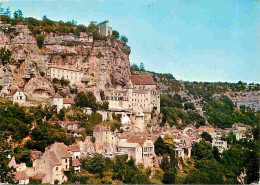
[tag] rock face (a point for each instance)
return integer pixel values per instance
(105, 64)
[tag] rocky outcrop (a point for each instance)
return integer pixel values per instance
(105, 64)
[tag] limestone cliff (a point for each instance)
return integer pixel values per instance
(105, 64)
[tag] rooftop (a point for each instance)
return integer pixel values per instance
(142, 80)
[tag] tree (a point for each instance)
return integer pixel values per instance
(40, 40)
(169, 177)
(188, 106)
(102, 95)
(34, 181)
(115, 34)
(165, 164)
(216, 153)
(141, 68)
(160, 148)
(7, 12)
(206, 136)
(124, 39)
(18, 14)
(119, 167)
(97, 164)
(168, 140)
(5, 56)
(61, 114)
(202, 150)
(86, 100)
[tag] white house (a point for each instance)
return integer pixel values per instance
(70, 74)
(57, 100)
(17, 96)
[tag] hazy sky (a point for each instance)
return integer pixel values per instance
(203, 40)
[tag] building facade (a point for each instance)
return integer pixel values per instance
(70, 74)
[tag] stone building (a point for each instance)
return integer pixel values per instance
(104, 29)
(70, 74)
(55, 160)
(138, 99)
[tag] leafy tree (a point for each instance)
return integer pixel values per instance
(18, 14)
(119, 167)
(206, 136)
(124, 39)
(115, 34)
(102, 95)
(97, 164)
(5, 150)
(61, 114)
(34, 181)
(169, 177)
(165, 164)
(7, 12)
(189, 106)
(168, 140)
(86, 100)
(5, 56)
(40, 40)
(202, 150)
(160, 148)
(141, 68)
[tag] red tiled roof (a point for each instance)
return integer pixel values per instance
(13, 92)
(207, 128)
(136, 139)
(76, 162)
(56, 96)
(35, 154)
(63, 150)
(142, 80)
(21, 176)
(54, 159)
(74, 148)
(68, 101)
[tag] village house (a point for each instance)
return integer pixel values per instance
(241, 131)
(66, 73)
(60, 102)
(75, 152)
(220, 144)
(17, 96)
(53, 162)
(198, 108)
(140, 146)
(209, 129)
(18, 167)
(67, 102)
(218, 141)
(104, 139)
(21, 177)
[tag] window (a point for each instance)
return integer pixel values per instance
(57, 168)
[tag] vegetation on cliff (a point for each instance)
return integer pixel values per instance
(40, 28)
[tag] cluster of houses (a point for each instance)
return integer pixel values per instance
(249, 99)
(49, 167)
(135, 102)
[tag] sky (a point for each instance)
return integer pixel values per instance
(195, 40)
